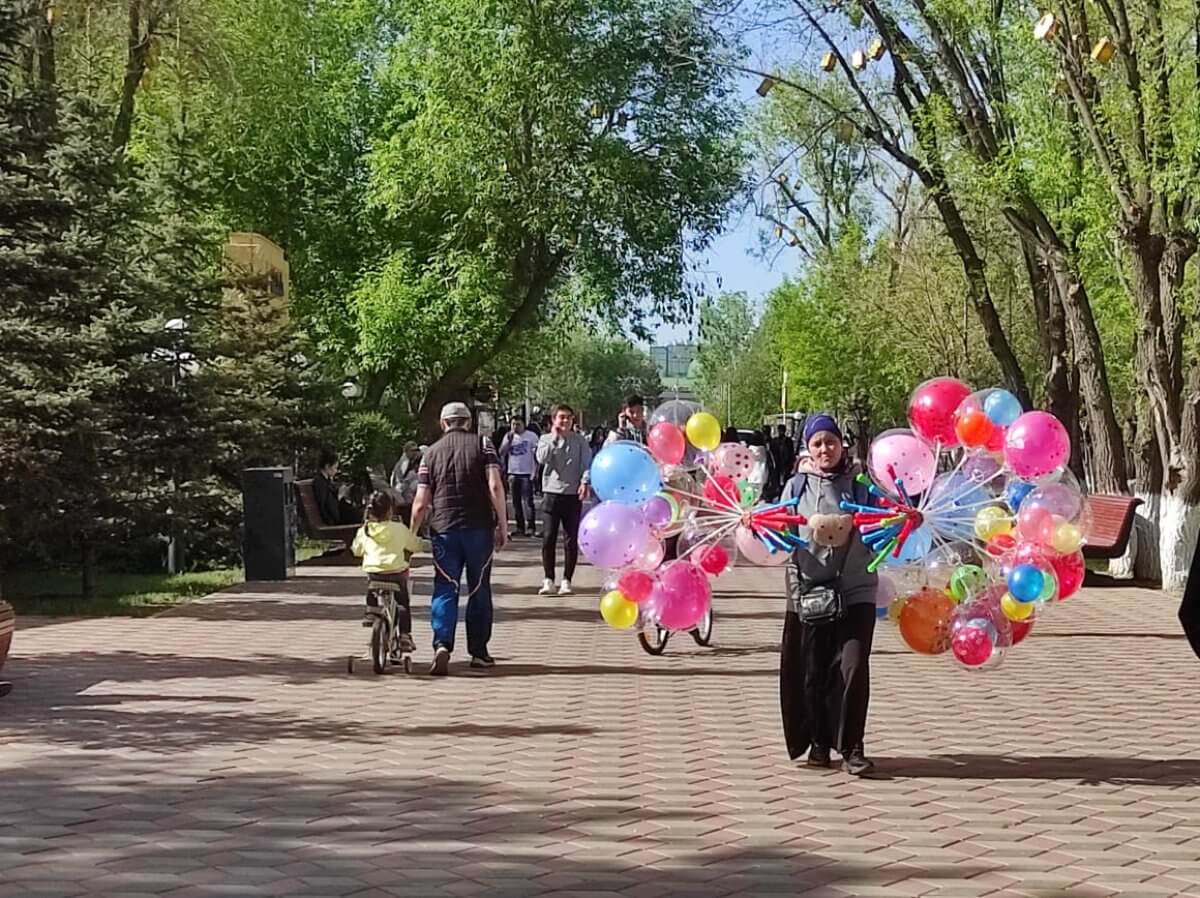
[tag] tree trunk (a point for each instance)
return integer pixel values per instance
(980, 295)
(1172, 403)
(1061, 394)
(1107, 459)
(137, 57)
(535, 268)
(87, 563)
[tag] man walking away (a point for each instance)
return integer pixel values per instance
(462, 494)
(517, 453)
(565, 457)
(1189, 608)
(631, 425)
(783, 457)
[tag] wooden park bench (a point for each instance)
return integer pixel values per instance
(315, 527)
(1112, 523)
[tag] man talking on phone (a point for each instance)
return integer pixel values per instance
(631, 424)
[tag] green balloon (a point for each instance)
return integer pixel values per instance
(967, 580)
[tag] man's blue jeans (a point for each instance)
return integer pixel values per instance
(454, 551)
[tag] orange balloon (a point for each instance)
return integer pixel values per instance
(974, 428)
(925, 621)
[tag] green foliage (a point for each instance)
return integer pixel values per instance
(566, 360)
(54, 593)
(505, 187)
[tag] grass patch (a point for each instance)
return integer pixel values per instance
(56, 593)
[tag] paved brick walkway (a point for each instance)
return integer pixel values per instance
(223, 750)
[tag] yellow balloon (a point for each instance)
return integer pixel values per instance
(704, 431)
(991, 522)
(618, 612)
(1067, 538)
(896, 607)
(1015, 610)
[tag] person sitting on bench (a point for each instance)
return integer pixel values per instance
(333, 503)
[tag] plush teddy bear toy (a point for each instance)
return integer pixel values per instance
(831, 529)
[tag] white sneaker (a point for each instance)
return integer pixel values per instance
(547, 588)
(565, 589)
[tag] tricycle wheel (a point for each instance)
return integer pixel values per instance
(655, 644)
(703, 632)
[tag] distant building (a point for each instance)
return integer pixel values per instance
(259, 277)
(675, 369)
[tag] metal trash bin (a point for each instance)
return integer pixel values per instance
(269, 515)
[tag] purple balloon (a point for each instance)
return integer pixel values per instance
(657, 512)
(613, 535)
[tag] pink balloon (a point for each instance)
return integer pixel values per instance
(755, 552)
(651, 556)
(1036, 524)
(907, 455)
(636, 585)
(1070, 571)
(973, 644)
(931, 409)
(667, 443)
(732, 459)
(681, 596)
(1036, 446)
(885, 591)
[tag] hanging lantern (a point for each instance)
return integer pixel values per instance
(800, 224)
(1046, 27)
(843, 130)
(782, 178)
(1104, 51)
(858, 60)
(53, 13)
(793, 240)
(828, 61)
(799, 185)
(765, 86)
(875, 49)
(596, 111)
(778, 232)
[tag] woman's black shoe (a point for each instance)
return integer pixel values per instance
(818, 757)
(857, 764)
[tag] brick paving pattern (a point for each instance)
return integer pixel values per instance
(222, 750)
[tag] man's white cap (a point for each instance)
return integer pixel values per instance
(455, 411)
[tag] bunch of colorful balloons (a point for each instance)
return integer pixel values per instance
(976, 520)
(686, 485)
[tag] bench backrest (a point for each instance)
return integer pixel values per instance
(1112, 520)
(308, 502)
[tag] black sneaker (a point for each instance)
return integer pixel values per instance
(857, 764)
(483, 661)
(818, 757)
(441, 662)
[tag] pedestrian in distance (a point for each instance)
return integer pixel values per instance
(565, 457)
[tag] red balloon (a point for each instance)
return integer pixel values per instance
(721, 490)
(932, 406)
(1020, 629)
(635, 585)
(1070, 571)
(973, 428)
(999, 546)
(667, 443)
(713, 559)
(995, 443)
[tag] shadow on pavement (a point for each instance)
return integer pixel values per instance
(1084, 769)
(406, 834)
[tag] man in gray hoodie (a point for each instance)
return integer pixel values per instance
(565, 457)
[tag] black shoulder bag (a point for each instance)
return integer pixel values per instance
(815, 604)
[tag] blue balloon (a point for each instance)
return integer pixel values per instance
(626, 473)
(1025, 582)
(1002, 407)
(916, 547)
(1016, 492)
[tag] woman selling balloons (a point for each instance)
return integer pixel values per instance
(824, 666)
(977, 554)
